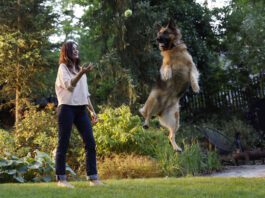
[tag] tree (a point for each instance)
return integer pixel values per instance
(133, 41)
(242, 30)
(25, 27)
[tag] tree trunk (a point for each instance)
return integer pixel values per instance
(17, 106)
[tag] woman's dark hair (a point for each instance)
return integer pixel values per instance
(66, 56)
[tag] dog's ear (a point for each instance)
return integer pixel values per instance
(171, 24)
(158, 27)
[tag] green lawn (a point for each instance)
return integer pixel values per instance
(143, 188)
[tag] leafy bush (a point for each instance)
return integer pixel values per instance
(6, 142)
(37, 130)
(121, 132)
(39, 168)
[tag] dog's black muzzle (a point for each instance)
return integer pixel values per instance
(163, 42)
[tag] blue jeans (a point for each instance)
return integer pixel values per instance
(77, 115)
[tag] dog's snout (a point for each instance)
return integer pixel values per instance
(159, 39)
(162, 39)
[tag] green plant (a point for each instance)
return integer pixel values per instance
(213, 161)
(168, 160)
(121, 132)
(39, 168)
(192, 159)
(37, 130)
(6, 142)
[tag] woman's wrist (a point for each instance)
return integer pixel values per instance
(93, 113)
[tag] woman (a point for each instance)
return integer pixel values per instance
(73, 99)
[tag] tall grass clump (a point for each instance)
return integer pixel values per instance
(192, 161)
(128, 166)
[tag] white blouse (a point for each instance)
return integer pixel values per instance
(66, 93)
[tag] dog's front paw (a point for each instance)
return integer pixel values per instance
(166, 72)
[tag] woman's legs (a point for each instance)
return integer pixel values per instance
(84, 127)
(65, 121)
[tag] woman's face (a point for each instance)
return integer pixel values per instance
(75, 52)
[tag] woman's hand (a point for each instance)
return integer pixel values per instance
(86, 68)
(94, 118)
(83, 70)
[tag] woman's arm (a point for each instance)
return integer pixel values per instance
(90, 107)
(82, 71)
(92, 111)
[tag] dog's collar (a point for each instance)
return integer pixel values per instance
(178, 43)
(174, 45)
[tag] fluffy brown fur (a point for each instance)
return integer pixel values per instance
(177, 73)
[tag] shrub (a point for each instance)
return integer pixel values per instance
(37, 130)
(6, 142)
(121, 132)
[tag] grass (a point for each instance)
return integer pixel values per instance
(143, 188)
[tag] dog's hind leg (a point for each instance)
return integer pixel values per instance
(174, 131)
(170, 120)
(147, 110)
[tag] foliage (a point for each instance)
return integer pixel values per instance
(242, 31)
(121, 132)
(192, 161)
(37, 130)
(18, 58)
(25, 28)
(128, 166)
(133, 41)
(39, 168)
(213, 161)
(168, 160)
(112, 83)
(6, 142)
(118, 135)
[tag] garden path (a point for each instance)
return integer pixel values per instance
(242, 171)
